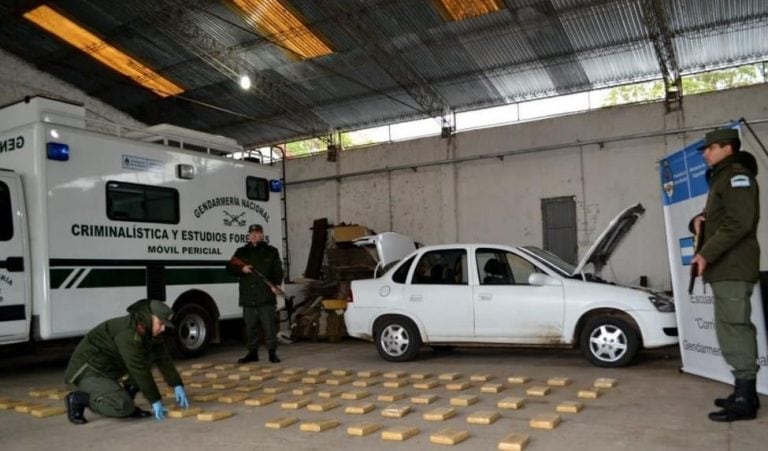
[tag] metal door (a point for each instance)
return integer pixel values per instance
(558, 216)
(15, 300)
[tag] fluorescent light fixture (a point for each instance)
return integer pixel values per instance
(282, 26)
(463, 9)
(245, 82)
(95, 47)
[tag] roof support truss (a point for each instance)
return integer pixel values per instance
(658, 29)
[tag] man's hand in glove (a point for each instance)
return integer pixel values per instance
(181, 396)
(159, 410)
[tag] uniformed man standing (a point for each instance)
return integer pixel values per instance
(729, 261)
(127, 345)
(253, 263)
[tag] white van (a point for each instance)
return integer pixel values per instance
(91, 221)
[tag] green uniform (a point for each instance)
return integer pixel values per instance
(733, 257)
(256, 298)
(114, 349)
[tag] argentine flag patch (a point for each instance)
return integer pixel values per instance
(739, 181)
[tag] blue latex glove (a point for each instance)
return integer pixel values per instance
(159, 410)
(181, 396)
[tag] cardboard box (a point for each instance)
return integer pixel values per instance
(345, 234)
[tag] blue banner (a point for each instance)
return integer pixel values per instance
(684, 174)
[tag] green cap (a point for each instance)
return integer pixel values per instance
(161, 310)
(719, 135)
(255, 228)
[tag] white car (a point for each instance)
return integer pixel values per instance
(480, 294)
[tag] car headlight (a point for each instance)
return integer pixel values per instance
(662, 303)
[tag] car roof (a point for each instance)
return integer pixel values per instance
(463, 245)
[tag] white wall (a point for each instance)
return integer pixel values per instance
(494, 200)
(19, 79)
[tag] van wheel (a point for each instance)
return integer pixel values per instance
(609, 342)
(397, 340)
(194, 329)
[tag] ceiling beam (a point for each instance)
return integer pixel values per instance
(655, 18)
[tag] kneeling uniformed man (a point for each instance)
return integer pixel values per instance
(128, 345)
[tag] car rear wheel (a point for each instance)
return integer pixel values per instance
(397, 340)
(609, 342)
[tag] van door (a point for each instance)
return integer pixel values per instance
(15, 293)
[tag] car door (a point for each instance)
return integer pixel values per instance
(507, 308)
(439, 295)
(14, 267)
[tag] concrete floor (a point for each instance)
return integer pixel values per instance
(654, 406)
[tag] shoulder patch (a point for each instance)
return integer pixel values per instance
(739, 181)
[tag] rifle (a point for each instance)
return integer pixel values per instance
(698, 241)
(237, 262)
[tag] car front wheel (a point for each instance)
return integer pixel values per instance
(397, 340)
(609, 342)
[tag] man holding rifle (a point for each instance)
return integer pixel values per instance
(260, 270)
(728, 259)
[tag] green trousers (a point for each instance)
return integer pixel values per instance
(108, 398)
(260, 316)
(736, 334)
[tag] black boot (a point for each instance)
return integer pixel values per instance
(132, 391)
(76, 403)
(140, 413)
(725, 402)
(273, 356)
(744, 404)
(252, 356)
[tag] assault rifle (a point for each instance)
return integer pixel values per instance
(239, 263)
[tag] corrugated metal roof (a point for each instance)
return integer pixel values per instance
(390, 57)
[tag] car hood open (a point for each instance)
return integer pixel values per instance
(604, 246)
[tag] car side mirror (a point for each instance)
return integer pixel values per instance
(540, 280)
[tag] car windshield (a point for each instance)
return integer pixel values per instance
(551, 260)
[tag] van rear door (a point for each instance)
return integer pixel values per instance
(15, 293)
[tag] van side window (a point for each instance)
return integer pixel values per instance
(142, 203)
(402, 272)
(6, 213)
(257, 188)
